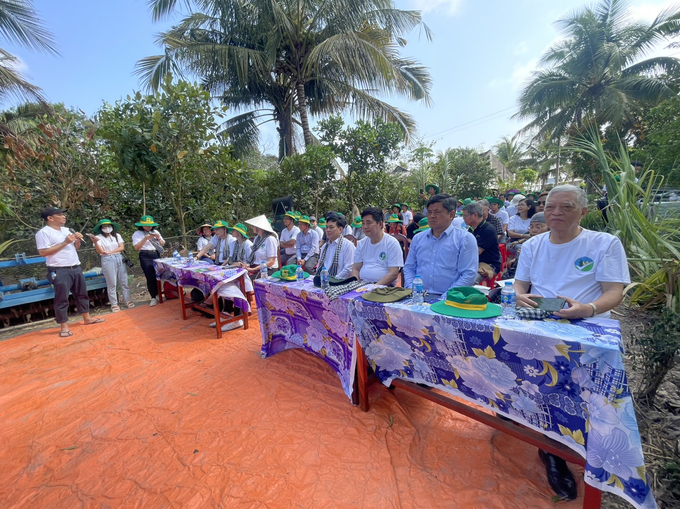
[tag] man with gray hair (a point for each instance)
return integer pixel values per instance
(443, 256)
(491, 219)
(586, 268)
(487, 242)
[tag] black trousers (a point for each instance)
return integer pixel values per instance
(65, 280)
(146, 259)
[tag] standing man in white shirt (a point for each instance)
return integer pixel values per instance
(59, 247)
(337, 254)
(287, 238)
(378, 257)
(406, 214)
(495, 209)
(586, 268)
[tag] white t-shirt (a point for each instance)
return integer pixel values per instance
(139, 235)
(378, 258)
(407, 217)
(66, 256)
(202, 242)
(347, 230)
(574, 269)
(519, 225)
(109, 243)
(502, 215)
(223, 254)
(511, 210)
(268, 249)
(287, 235)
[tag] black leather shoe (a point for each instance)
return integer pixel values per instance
(560, 478)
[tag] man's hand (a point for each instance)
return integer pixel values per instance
(575, 310)
(72, 238)
(525, 300)
(301, 263)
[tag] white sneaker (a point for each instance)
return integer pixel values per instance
(153, 302)
(231, 326)
(213, 325)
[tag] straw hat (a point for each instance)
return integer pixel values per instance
(199, 230)
(260, 222)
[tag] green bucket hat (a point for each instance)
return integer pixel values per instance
(404, 205)
(291, 214)
(321, 223)
(304, 219)
(287, 273)
(297, 214)
(387, 294)
(533, 195)
(467, 201)
(220, 224)
(241, 228)
(466, 302)
(497, 201)
(394, 218)
(422, 226)
(427, 188)
(396, 205)
(356, 223)
(98, 227)
(146, 221)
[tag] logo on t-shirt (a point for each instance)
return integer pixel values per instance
(383, 255)
(584, 264)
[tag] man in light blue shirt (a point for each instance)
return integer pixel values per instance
(307, 246)
(443, 256)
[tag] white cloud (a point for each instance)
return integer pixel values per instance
(646, 12)
(15, 64)
(450, 7)
(521, 48)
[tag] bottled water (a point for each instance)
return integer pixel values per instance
(417, 287)
(176, 256)
(264, 272)
(299, 274)
(325, 279)
(508, 300)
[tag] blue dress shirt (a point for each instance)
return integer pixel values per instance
(307, 244)
(445, 262)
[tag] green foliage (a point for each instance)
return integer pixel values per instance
(366, 149)
(309, 179)
(463, 172)
(168, 141)
(597, 74)
(660, 147)
(593, 221)
(55, 161)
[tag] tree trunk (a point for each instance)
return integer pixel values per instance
(285, 129)
(302, 108)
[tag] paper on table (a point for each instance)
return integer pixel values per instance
(502, 282)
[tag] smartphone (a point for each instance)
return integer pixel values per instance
(551, 305)
(422, 192)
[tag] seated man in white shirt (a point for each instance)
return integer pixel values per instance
(222, 242)
(588, 269)
(378, 256)
(337, 254)
(287, 239)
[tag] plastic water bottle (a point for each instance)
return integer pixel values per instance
(264, 272)
(418, 296)
(299, 274)
(176, 256)
(508, 300)
(325, 279)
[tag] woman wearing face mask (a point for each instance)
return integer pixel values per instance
(109, 244)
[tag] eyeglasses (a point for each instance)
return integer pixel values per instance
(541, 203)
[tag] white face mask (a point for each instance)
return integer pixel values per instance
(107, 229)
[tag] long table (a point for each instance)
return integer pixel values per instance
(563, 382)
(213, 281)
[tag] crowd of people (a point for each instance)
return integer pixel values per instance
(451, 243)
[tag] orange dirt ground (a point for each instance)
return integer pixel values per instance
(150, 411)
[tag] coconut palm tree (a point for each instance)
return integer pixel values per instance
(19, 23)
(598, 74)
(297, 57)
(510, 153)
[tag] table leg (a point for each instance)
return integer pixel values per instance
(159, 286)
(216, 308)
(592, 498)
(246, 314)
(180, 290)
(362, 376)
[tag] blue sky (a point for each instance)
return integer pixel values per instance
(481, 55)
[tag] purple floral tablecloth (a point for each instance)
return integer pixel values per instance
(565, 380)
(298, 315)
(206, 276)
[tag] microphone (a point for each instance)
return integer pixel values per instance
(73, 232)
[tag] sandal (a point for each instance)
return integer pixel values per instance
(115, 309)
(130, 304)
(96, 320)
(65, 334)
